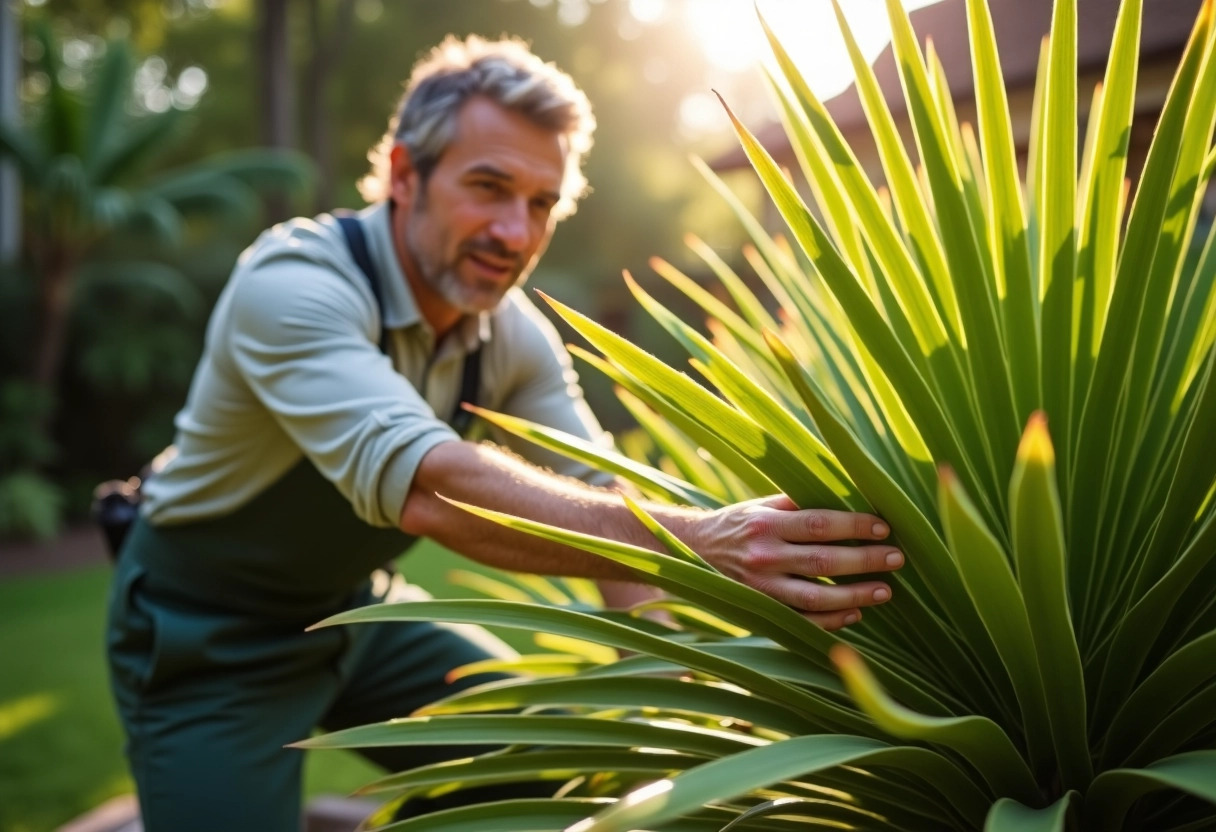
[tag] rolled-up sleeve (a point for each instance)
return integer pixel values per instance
(303, 337)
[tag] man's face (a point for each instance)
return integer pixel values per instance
(479, 223)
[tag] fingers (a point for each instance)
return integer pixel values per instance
(832, 602)
(832, 561)
(833, 620)
(822, 525)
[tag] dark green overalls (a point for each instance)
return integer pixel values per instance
(213, 672)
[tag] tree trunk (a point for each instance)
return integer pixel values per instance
(54, 304)
(326, 52)
(10, 111)
(277, 101)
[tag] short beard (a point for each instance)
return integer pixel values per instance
(447, 285)
(443, 278)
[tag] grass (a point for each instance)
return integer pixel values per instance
(60, 743)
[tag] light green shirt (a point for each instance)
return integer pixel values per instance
(292, 367)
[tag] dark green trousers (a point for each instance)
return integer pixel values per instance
(213, 673)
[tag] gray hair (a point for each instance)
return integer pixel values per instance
(504, 71)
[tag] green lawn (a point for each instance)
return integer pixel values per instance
(60, 745)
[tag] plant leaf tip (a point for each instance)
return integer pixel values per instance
(1036, 441)
(844, 657)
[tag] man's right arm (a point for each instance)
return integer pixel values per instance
(766, 544)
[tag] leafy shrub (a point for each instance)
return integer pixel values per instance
(1048, 661)
(111, 249)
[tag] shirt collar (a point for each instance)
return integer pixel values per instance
(400, 309)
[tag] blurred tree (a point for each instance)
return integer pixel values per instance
(89, 206)
(80, 158)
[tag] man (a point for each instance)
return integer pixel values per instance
(305, 451)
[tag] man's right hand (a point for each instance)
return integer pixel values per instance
(772, 546)
(768, 544)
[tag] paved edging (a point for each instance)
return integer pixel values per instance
(78, 547)
(325, 813)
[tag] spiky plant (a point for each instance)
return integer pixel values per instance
(1049, 659)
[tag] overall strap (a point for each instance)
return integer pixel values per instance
(470, 380)
(352, 230)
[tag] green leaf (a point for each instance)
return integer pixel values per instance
(986, 572)
(890, 354)
(141, 279)
(758, 654)
(604, 459)
(933, 567)
(986, 352)
(1174, 680)
(108, 97)
(135, 147)
(1097, 248)
(978, 740)
(816, 810)
(749, 306)
(822, 483)
(1098, 428)
(562, 764)
(1114, 791)
(737, 450)
(850, 201)
(675, 547)
(497, 729)
(532, 815)
(1140, 628)
(1177, 228)
(538, 664)
(913, 212)
(684, 454)
(668, 695)
(743, 434)
(742, 329)
(1038, 545)
(732, 600)
(1195, 717)
(1006, 219)
(586, 626)
(208, 193)
(62, 111)
(487, 585)
(794, 758)
(1057, 231)
(1191, 479)
(1008, 815)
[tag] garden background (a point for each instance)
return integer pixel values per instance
(141, 254)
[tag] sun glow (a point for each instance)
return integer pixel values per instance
(731, 38)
